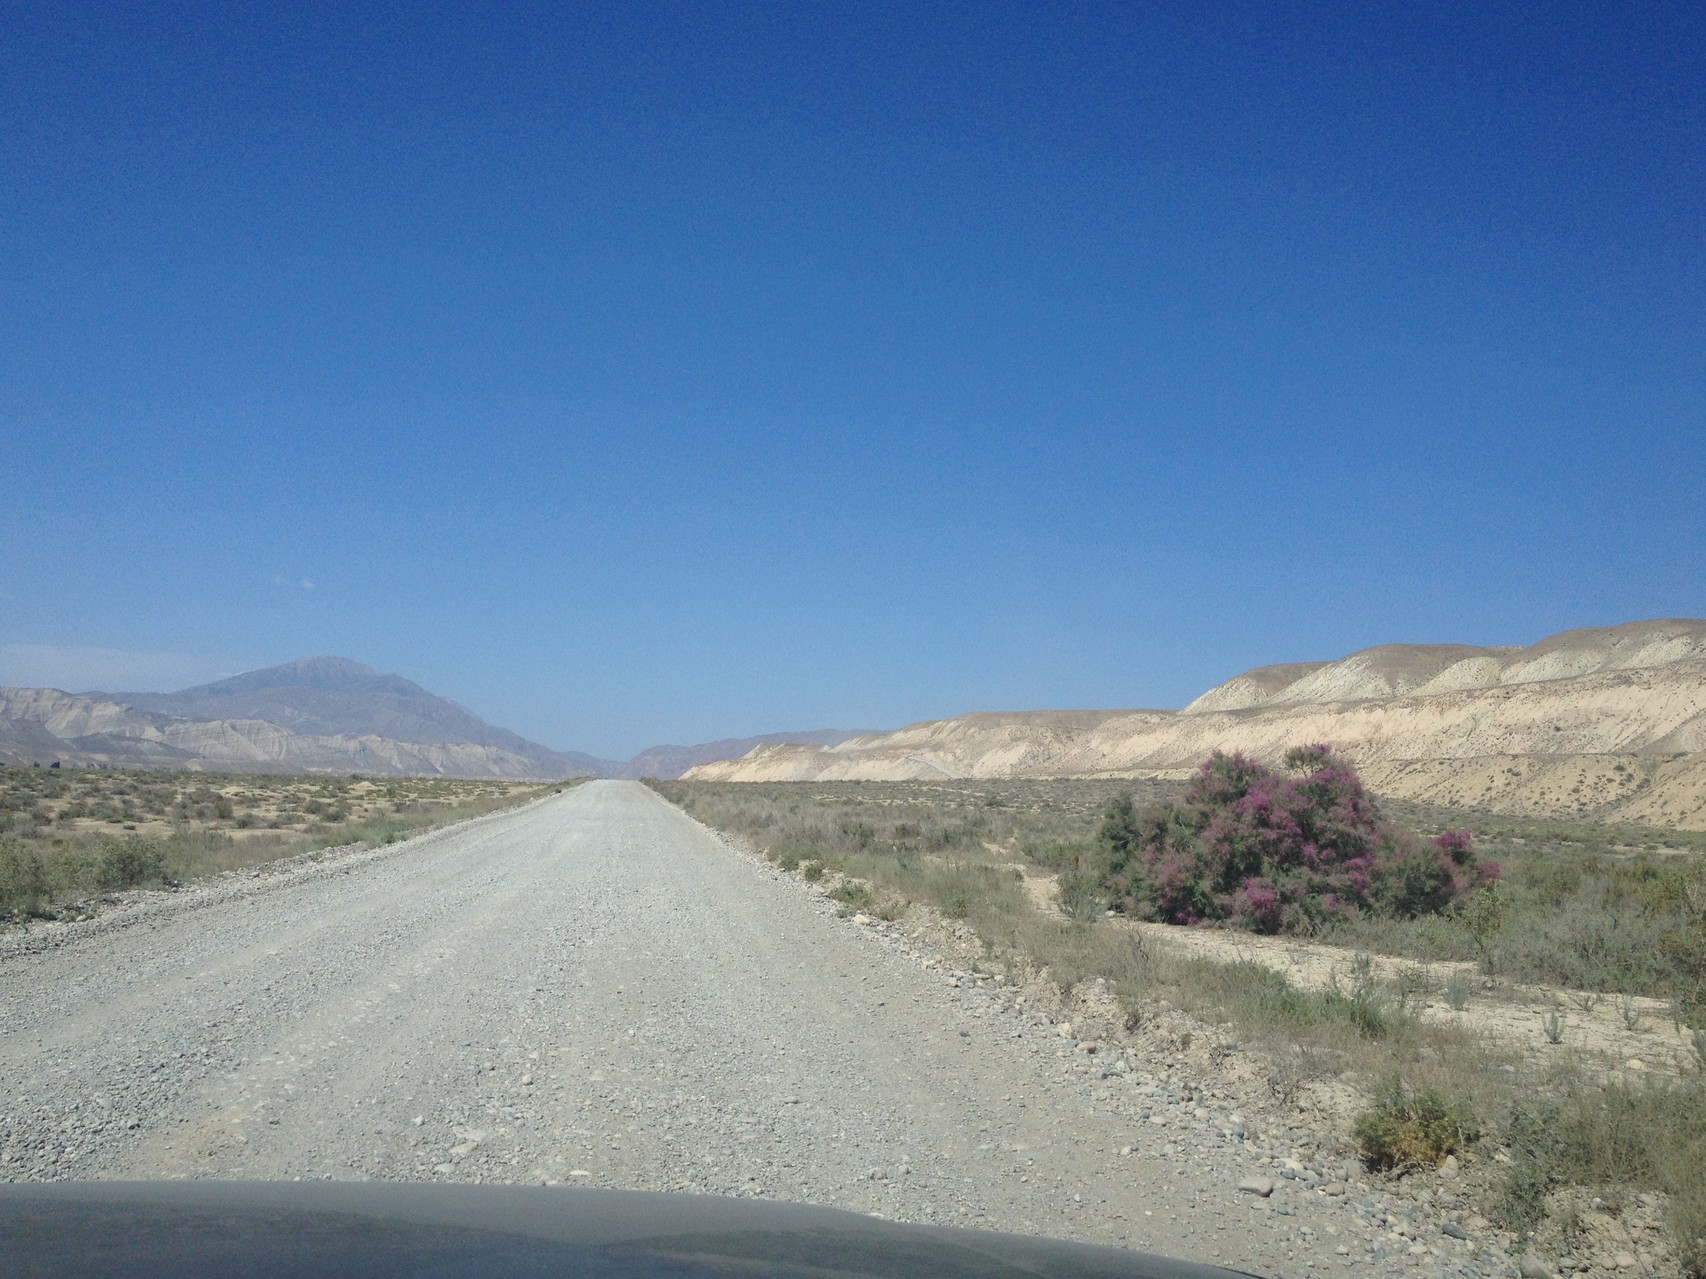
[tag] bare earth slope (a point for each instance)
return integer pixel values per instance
(320, 714)
(39, 724)
(670, 762)
(1609, 721)
(596, 990)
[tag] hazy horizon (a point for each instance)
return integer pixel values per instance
(642, 375)
(42, 662)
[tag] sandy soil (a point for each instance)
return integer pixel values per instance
(1604, 1029)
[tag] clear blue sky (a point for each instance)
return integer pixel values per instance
(657, 372)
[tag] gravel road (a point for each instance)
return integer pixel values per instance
(596, 990)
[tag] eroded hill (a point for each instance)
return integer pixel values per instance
(1607, 721)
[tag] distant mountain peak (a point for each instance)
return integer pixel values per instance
(328, 674)
(322, 665)
(335, 697)
(330, 713)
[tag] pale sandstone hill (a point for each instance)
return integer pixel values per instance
(1392, 670)
(670, 762)
(1605, 721)
(1252, 688)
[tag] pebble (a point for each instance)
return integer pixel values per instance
(1530, 1266)
(1256, 1186)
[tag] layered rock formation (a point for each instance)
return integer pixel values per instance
(1606, 721)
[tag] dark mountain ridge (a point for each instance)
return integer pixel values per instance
(333, 697)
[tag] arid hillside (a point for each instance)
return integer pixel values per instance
(1606, 721)
(44, 723)
(316, 715)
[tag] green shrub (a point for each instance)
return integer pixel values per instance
(1362, 1011)
(959, 889)
(811, 872)
(130, 862)
(1266, 1000)
(1081, 895)
(1457, 993)
(1483, 915)
(1413, 1128)
(1058, 854)
(853, 894)
(24, 886)
(1074, 952)
(1650, 1135)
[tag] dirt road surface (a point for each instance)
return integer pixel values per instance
(595, 990)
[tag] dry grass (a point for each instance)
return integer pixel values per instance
(1618, 909)
(67, 834)
(966, 847)
(1577, 1130)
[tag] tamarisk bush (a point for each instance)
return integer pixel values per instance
(1278, 850)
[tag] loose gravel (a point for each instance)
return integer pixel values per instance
(596, 990)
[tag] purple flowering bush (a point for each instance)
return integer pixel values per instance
(1278, 850)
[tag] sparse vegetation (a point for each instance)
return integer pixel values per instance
(1617, 909)
(1262, 1001)
(69, 834)
(1583, 1132)
(1456, 993)
(1578, 907)
(130, 863)
(1408, 1127)
(24, 885)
